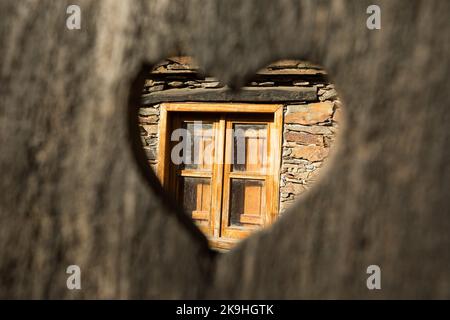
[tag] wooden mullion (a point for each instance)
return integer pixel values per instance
(226, 179)
(218, 176)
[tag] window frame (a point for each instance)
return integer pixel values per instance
(167, 110)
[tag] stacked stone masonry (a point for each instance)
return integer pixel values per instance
(309, 127)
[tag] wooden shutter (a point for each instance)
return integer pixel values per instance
(247, 182)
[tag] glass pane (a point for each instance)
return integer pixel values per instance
(197, 197)
(247, 201)
(249, 147)
(198, 148)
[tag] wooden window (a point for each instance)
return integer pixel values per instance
(228, 176)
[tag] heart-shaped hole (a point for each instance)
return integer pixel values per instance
(235, 161)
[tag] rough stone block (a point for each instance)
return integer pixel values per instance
(304, 138)
(311, 153)
(308, 114)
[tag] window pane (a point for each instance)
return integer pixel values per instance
(249, 147)
(199, 146)
(197, 197)
(247, 202)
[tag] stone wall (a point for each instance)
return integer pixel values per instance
(309, 127)
(309, 131)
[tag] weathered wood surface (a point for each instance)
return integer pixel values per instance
(247, 94)
(72, 191)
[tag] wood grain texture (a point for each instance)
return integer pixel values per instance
(248, 94)
(73, 189)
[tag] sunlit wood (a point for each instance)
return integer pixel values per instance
(215, 161)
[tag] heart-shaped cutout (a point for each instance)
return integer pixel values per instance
(236, 160)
